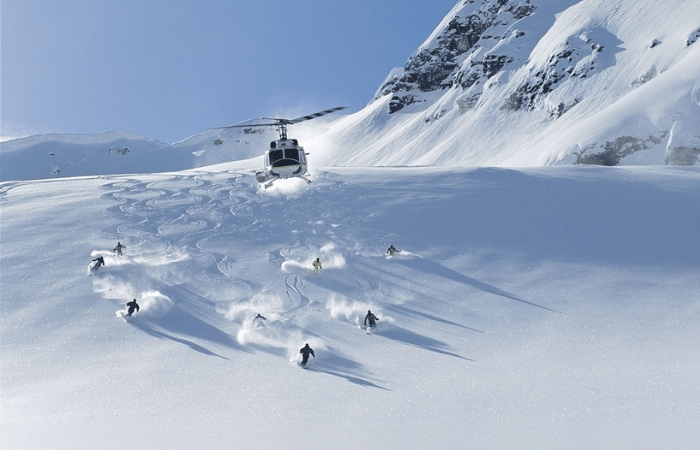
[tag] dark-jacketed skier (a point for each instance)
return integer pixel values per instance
(305, 352)
(259, 320)
(391, 250)
(100, 262)
(371, 319)
(132, 306)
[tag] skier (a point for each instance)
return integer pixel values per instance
(119, 248)
(305, 352)
(132, 306)
(258, 320)
(391, 250)
(100, 262)
(317, 265)
(371, 318)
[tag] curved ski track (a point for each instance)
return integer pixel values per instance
(186, 238)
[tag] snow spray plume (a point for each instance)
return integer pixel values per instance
(155, 304)
(111, 287)
(265, 302)
(330, 258)
(291, 188)
(340, 307)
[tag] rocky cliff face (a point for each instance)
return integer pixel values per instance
(446, 61)
(479, 41)
(549, 68)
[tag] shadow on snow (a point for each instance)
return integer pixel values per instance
(417, 340)
(433, 268)
(339, 366)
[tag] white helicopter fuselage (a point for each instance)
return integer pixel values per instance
(285, 159)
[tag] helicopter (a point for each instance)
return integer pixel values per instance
(285, 158)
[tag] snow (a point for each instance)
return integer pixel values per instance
(534, 305)
(530, 308)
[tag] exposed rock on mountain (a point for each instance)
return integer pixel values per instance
(441, 63)
(532, 82)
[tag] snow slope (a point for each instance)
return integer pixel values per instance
(544, 308)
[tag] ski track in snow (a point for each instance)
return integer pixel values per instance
(541, 290)
(178, 228)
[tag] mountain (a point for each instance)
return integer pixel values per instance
(71, 155)
(532, 83)
(498, 83)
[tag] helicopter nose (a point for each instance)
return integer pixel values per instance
(286, 162)
(287, 168)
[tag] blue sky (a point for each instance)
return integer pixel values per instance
(170, 69)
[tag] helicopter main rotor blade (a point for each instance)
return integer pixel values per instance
(318, 114)
(284, 122)
(246, 126)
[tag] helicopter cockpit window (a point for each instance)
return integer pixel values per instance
(276, 155)
(292, 153)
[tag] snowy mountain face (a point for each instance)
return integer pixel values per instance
(532, 82)
(445, 61)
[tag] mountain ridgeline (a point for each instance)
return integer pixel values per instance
(501, 83)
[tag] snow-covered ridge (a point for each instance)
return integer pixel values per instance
(79, 139)
(70, 155)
